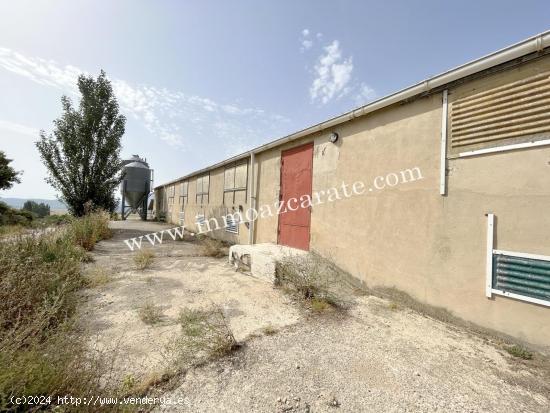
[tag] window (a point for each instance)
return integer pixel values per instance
(203, 186)
(511, 114)
(183, 195)
(517, 275)
(235, 183)
(171, 193)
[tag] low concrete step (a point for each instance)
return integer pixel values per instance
(259, 259)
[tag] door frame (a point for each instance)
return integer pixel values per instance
(294, 148)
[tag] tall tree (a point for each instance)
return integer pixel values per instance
(40, 209)
(8, 175)
(83, 153)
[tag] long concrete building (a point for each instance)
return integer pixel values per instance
(441, 190)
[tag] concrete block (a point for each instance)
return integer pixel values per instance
(260, 259)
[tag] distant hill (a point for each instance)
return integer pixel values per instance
(18, 202)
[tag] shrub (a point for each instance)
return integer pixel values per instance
(213, 247)
(96, 277)
(143, 259)
(519, 352)
(38, 278)
(313, 278)
(11, 216)
(89, 229)
(150, 313)
(40, 352)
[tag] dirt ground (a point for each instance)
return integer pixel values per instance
(377, 356)
(374, 359)
(178, 278)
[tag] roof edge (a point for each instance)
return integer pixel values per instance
(530, 45)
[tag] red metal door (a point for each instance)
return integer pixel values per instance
(296, 178)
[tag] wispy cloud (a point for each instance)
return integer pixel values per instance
(332, 74)
(364, 94)
(305, 40)
(18, 128)
(172, 116)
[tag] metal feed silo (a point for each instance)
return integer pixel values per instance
(135, 187)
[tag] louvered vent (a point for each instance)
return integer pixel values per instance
(523, 276)
(200, 220)
(232, 225)
(513, 113)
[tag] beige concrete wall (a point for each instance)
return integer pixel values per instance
(214, 209)
(410, 237)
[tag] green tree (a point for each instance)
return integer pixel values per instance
(40, 209)
(83, 153)
(8, 175)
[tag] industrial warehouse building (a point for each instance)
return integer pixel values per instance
(455, 208)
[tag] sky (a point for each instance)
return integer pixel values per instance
(200, 81)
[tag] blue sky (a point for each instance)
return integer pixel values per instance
(200, 81)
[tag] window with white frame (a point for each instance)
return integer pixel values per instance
(519, 275)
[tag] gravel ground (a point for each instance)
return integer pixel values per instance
(375, 358)
(178, 278)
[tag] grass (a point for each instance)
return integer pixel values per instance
(319, 305)
(11, 230)
(269, 330)
(519, 352)
(90, 229)
(205, 334)
(40, 279)
(143, 259)
(314, 279)
(96, 277)
(150, 313)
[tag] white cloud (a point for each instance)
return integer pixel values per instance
(18, 128)
(307, 44)
(332, 75)
(172, 116)
(306, 41)
(365, 94)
